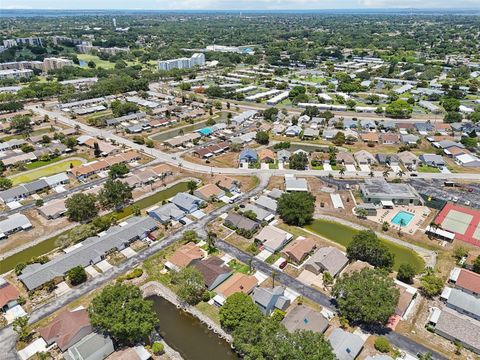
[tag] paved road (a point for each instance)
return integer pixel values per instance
(396, 339)
(176, 161)
(7, 336)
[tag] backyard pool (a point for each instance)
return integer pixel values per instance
(402, 218)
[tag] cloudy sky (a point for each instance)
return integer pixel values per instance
(234, 4)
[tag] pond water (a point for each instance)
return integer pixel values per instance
(82, 62)
(187, 335)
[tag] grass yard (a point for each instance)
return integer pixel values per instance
(238, 266)
(427, 169)
(48, 170)
(343, 235)
(99, 62)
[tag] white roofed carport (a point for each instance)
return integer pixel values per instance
(104, 265)
(337, 201)
(128, 252)
(92, 271)
(364, 167)
(387, 204)
(35, 347)
(350, 167)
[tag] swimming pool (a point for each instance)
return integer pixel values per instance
(402, 215)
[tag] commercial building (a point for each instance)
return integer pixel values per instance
(380, 191)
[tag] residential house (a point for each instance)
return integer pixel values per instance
(367, 124)
(226, 183)
(363, 157)
(302, 317)
(93, 250)
(455, 151)
(345, 158)
(132, 353)
(405, 300)
(409, 139)
(247, 156)
(166, 213)
(467, 160)
(293, 130)
(297, 250)
(423, 128)
(8, 295)
(209, 192)
(268, 299)
(370, 137)
(310, 133)
(67, 328)
(267, 202)
(408, 159)
(261, 213)
(466, 281)
(186, 202)
(238, 282)
(273, 238)
(213, 270)
(283, 156)
(389, 138)
(295, 184)
(14, 223)
(92, 347)
(237, 221)
(456, 327)
(184, 256)
(266, 155)
(387, 159)
(275, 194)
(462, 302)
(432, 160)
(327, 259)
(345, 345)
(53, 209)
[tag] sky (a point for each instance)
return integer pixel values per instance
(235, 4)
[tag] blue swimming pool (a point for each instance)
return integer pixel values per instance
(402, 215)
(205, 131)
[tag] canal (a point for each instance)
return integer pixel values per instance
(187, 335)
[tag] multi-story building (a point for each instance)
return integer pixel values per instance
(55, 63)
(15, 74)
(32, 41)
(197, 59)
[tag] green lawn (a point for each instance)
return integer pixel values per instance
(48, 170)
(427, 169)
(238, 266)
(343, 235)
(99, 62)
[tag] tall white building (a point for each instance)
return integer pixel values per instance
(197, 59)
(52, 63)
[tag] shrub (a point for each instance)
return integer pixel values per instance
(157, 348)
(382, 345)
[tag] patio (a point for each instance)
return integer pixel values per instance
(420, 214)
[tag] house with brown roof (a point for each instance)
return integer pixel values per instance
(455, 151)
(370, 137)
(407, 294)
(8, 295)
(298, 249)
(389, 138)
(213, 270)
(68, 328)
(238, 282)
(266, 155)
(209, 192)
(408, 159)
(356, 266)
(345, 158)
(327, 259)
(363, 157)
(184, 256)
(226, 183)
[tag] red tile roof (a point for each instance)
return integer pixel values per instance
(8, 293)
(469, 280)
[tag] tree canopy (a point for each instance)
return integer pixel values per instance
(238, 309)
(121, 311)
(114, 194)
(190, 285)
(296, 208)
(366, 246)
(368, 296)
(81, 207)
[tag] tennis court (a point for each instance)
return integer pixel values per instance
(462, 221)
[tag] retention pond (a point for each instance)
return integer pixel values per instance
(187, 335)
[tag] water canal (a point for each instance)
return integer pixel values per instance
(187, 335)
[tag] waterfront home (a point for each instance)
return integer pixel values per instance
(268, 299)
(327, 259)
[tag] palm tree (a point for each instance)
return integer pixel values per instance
(274, 275)
(386, 173)
(371, 174)
(342, 171)
(192, 186)
(211, 238)
(400, 224)
(250, 263)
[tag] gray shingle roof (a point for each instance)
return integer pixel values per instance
(91, 249)
(346, 346)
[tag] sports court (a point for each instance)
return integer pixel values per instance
(462, 221)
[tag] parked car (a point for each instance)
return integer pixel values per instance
(283, 264)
